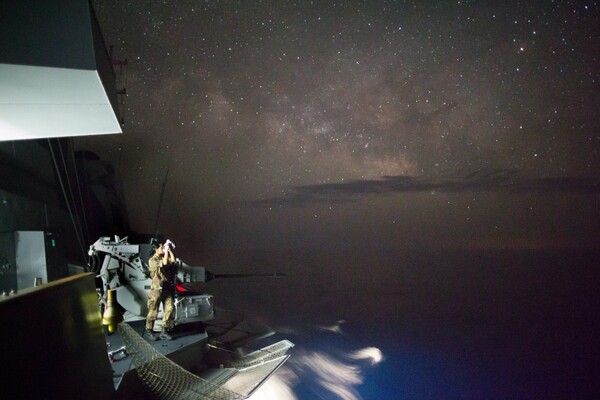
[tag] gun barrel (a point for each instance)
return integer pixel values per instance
(201, 274)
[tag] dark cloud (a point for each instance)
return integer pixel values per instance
(495, 181)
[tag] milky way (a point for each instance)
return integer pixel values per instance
(243, 101)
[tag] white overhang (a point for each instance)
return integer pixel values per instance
(39, 102)
(56, 76)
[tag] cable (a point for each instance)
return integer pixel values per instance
(66, 199)
(86, 236)
(68, 179)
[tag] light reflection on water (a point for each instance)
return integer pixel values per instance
(462, 324)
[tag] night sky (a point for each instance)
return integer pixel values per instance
(330, 139)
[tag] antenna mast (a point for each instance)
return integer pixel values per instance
(162, 194)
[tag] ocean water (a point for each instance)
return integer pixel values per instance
(418, 325)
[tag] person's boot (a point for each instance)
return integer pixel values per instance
(150, 335)
(164, 335)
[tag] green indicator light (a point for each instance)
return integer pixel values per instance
(53, 243)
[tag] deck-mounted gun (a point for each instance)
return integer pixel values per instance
(122, 266)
